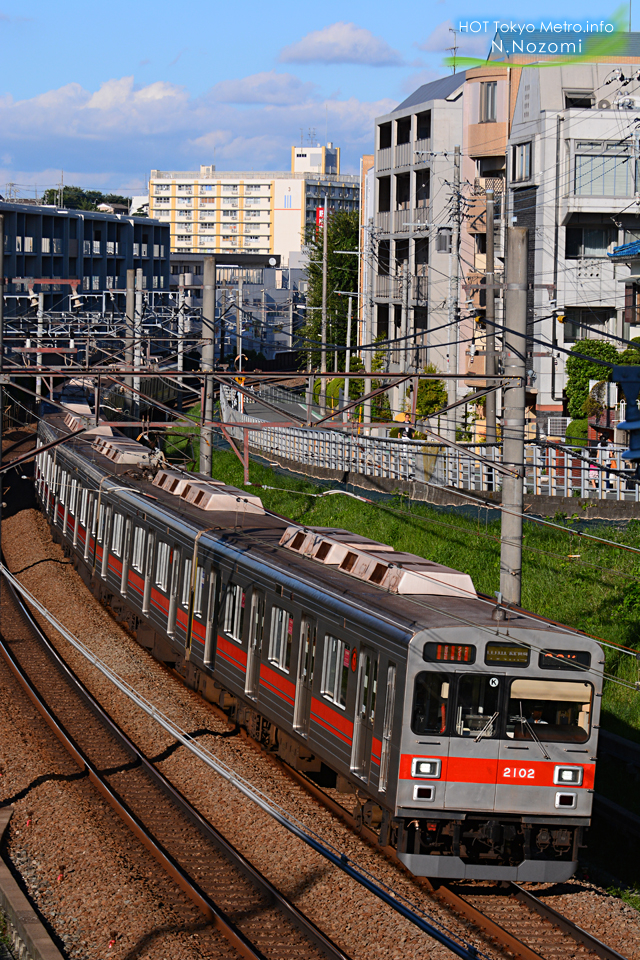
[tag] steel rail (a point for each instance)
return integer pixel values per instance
(445, 893)
(190, 887)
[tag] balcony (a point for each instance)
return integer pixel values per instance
(402, 220)
(384, 159)
(388, 287)
(403, 154)
(383, 221)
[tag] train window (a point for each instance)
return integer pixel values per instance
(252, 680)
(430, 703)
(281, 638)
(72, 497)
(478, 704)
(101, 519)
(564, 660)
(137, 557)
(387, 727)
(186, 583)
(212, 612)
(116, 534)
(197, 600)
(162, 565)
(234, 611)
(449, 653)
(63, 487)
(335, 670)
(549, 710)
(83, 506)
(514, 654)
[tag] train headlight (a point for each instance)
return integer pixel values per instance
(572, 775)
(426, 767)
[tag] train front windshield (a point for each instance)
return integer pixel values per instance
(479, 705)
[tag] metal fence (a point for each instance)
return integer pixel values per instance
(549, 471)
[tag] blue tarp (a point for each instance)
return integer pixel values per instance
(626, 250)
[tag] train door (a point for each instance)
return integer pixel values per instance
(366, 693)
(304, 682)
(254, 654)
(473, 745)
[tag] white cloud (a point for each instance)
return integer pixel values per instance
(341, 43)
(114, 135)
(268, 87)
(469, 45)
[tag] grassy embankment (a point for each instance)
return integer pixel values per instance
(597, 591)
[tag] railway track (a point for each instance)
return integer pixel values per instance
(508, 914)
(245, 914)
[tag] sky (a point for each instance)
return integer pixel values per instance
(107, 92)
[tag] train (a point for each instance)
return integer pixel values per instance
(466, 734)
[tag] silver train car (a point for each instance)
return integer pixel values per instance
(468, 743)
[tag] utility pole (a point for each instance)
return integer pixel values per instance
(454, 284)
(130, 300)
(1, 363)
(368, 324)
(323, 332)
(208, 346)
(515, 351)
(239, 315)
(180, 333)
(404, 322)
(137, 343)
(39, 341)
(490, 347)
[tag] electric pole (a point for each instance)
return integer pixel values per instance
(490, 339)
(368, 324)
(515, 351)
(208, 347)
(180, 334)
(39, 342)
(130, 300)
(454, 284)
(323, 333)
(1, 363)
(137, 343)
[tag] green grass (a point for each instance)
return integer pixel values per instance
(596, 599)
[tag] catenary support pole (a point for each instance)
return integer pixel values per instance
(130, 308)
(368, 318)
(515, 345)
(137, 343)
(454, 286)
(1, 361)
(490, 399)
(40, 334)
(208, 347)
(323, 329)
(180, 335)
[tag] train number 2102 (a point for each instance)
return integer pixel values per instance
(519, 773)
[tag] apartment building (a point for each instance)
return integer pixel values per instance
(559, 149)
(410, 245)
(97, 249)
(211, 211)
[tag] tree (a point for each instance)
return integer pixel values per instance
(75, 198)
(432, 395)
(580, 371)
(342, 274)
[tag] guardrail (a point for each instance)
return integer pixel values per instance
(550, 472)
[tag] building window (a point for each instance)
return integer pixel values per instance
(578, 101)
(281, 638)
(521, 168)
(589, 241)
(604, 176)
(335, 670)
(46, 245)
(183, 238)
(384, 136)
(585, 324)
(95, 283)
(488, 93)
(56, 244)
(28, 244)
(162, 188)
(423, 125)
(443, 240)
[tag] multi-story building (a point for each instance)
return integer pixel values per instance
(559, 149)
(410, 226)
(96, 249)
(250, 212)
